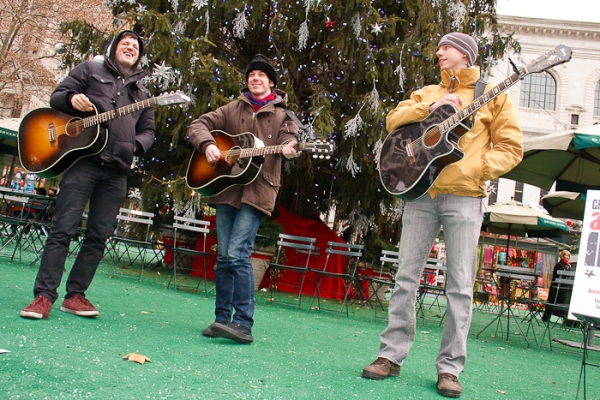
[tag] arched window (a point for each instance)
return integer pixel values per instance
(538, 91)
(597, 100)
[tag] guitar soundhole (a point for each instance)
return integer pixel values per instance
(233, 155)
(432, 137)
(74, 127)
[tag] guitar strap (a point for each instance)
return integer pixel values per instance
(479, 89)
(295, 119)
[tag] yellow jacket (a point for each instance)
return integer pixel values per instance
(491, 148)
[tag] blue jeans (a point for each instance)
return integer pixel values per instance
(105, 188)
(234, 279)
(461, 218)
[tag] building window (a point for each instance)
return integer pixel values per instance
(518, 192)
(538, 91)
(597, 100)
(574, 119)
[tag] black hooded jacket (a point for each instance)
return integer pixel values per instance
(103, 84)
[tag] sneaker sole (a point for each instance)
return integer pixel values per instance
(208, 333)
(32, 315)
(449, 393)
(87, 314)
(377, 377)
(226, 332)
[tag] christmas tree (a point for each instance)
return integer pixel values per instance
(344, 64)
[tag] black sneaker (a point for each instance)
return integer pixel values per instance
(234, 331)
(208, 331)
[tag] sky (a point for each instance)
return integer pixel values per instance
(567, 10)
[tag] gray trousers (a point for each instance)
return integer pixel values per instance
(461, 218)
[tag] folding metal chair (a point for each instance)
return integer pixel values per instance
(188, 233)
(36, 225)
(79, 237)
(564, 282)
(294, 256)
(384, 279)
(334, 271)
(430, 288)
(13, 220)
(132, 241)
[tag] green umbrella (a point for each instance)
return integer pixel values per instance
(9, 128)
(569, 158)
(565, 204)
(514, 218)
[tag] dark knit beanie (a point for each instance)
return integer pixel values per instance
(463, 43)
(261, 63)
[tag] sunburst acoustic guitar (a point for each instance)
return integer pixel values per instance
(50, 141)
(238, 165)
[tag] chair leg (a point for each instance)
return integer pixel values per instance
(316, 295)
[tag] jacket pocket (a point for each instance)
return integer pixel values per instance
(99, 87)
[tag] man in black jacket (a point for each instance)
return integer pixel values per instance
(100, 179)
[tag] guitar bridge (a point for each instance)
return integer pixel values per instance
(410, 155)
(51, 134)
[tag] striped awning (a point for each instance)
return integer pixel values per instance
(9, 127)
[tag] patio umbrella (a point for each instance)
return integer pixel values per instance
(565, 204)
(569, 158)
(514, 218)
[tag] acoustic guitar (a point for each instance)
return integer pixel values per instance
(50, 141)
(240, 163)
(414, 155)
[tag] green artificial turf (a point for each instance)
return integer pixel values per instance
(297, 354)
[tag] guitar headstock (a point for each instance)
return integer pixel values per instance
(558, 55)
(172, 98)
(319, 149)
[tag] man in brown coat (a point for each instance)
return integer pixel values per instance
(260, 110)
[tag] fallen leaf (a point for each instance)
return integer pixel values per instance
(138, 358)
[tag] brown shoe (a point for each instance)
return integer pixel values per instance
(38, 309)
(448, 385)
(79, 305)
(380, 369)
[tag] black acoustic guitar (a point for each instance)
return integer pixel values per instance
(50, 141)
(414, 155)
(240, 162)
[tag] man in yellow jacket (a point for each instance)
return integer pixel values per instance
(491, 148)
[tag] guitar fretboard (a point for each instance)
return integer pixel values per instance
(119, 112)
(261, 151)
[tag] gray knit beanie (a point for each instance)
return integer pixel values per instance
(261, 63)
(463, 43)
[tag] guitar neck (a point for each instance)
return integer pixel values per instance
(261, 151)
(119, 112)
(479, 102)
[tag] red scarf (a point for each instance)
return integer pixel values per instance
(258, 103)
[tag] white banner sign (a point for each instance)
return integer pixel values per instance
(586, 289)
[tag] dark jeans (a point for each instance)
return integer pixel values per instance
(105, 188)
(234, 279)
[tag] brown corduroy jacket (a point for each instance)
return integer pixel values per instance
(270, 124)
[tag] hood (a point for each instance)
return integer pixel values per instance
(117, 39)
